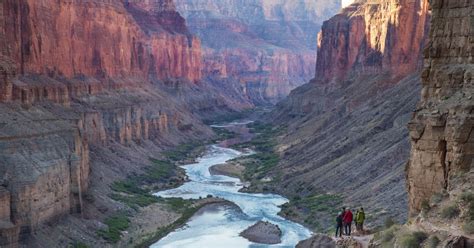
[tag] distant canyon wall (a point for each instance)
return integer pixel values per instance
(263, 48)
(373, 37)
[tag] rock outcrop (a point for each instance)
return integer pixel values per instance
(263, 232)
(80, 80)
(317, 241)
(346, 130)
(260, 49)
(441, 128)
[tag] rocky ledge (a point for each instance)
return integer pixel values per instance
(318, 240)
(263, 232)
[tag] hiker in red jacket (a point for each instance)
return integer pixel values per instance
(348, 217)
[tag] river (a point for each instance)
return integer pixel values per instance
(219, 227)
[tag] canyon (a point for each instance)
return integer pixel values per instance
(95, 92)
(350, 122)
(260, 49)
(89, 91)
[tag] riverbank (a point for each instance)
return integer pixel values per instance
(156, 221)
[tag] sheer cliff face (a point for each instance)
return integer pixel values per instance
(264, 48)
(380, 36)
(78, 38)
(81, 74)
(349, 123)
(442, 153)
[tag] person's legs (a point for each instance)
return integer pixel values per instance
(345, 228)
(349, 227)
(339, 228)
(362, 226)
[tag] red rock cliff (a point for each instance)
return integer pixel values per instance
(99, 38)
(373, 36)
(68, 52)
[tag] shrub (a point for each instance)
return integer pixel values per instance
(388, 234)
(468, 227)
(412, 240)
(450, 212)
(436, 198)
(115, 225)
(468, 198)
(389, 222)
(432, 242)
(425, 206)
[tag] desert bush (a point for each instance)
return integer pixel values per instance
(389, 222)
(450, 212)
(468, 227)
(432, 242)
(437, 198)
(425, 206)
(115, 225)
(411, 240)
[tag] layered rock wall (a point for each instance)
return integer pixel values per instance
(263, 48)
(75, 74)
(346, 129)
(372, 37)
(441, 128)
(103, 39)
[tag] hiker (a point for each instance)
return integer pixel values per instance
(359, 220)
(339, 223)
(347, 219)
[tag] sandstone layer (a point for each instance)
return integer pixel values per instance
(441, 127)
(346, 129)
(260, 49)
(440, 170)
(89, 91)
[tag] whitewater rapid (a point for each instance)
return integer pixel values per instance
(220, 227)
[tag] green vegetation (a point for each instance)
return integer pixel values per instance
(115, 225)
(468, 199)
(131, 191)
(425, 206)
(386, 237)
(181, 152)
(432, 242)
(179, 205)
(412, 239)
(468, 227)
(134, 191)
(223, 134)
(389, 222)
(404, 238)
(313, 207)
(450, 212)
(185, 207)
(257, 166)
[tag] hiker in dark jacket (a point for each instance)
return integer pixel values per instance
(347, 219)
(339, 224)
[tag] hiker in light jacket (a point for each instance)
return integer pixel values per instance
(359, 219)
